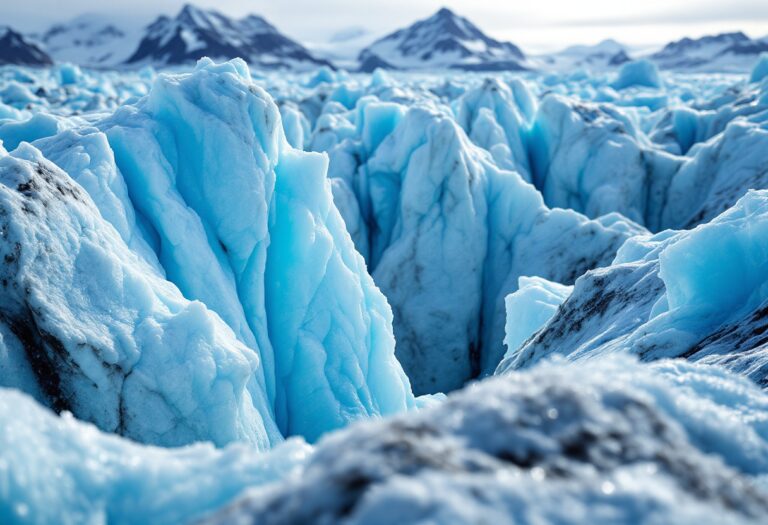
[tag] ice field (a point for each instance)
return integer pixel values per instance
(231, 296)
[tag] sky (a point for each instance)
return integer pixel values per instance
(534, 25)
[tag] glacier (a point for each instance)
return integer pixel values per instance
(232, 295)
(169, 206)
(698, 294)
(613, 441)
(608, 442)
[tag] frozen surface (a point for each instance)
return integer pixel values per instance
(198, 190)
(103, 335)
(607, 441)
(446, 245)
(760, 70)
(529, 308)
(227, 254)
(61, 470)
(638, 73)
(699, 295)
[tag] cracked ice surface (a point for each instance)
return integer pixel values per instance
(176, 268)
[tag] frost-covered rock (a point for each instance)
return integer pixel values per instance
(601, 442)
(15, 49)
(195, 33)
(444, 40)
(609, 441)
(700, 295)
(725, 52)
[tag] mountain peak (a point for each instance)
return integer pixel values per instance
(720, 52)
(444, 40)
(197, 32)
(15, 49)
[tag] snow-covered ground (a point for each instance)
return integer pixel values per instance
(239, 296)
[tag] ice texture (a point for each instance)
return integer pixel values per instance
(230, 255)
(760, 70)
(698, 294)
(100, 333)
(642, 73)
(198, 184)
(605, 441)
(530, 307)
(446, 245)
(61, 470)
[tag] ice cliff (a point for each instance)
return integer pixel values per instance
(698, 294)
(213, 241)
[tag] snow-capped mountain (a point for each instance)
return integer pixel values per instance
(15, 49)
(195, 33)
(444, 40)
(723, 52)
(90, 40)
(603, 55)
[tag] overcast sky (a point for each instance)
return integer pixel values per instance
(535, 25)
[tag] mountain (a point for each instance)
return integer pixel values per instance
(15, 49)
(444, 40)
(603, 55)
(195, 33)
(723, 52)
(90, 40)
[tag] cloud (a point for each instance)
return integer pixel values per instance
(701, 12)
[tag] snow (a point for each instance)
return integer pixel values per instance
(603, 56)
(611, 441)
(61, 470)
(92, 40)
(195, 33)
(726, 52)
(443, 41)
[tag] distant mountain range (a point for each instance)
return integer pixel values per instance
(15, 49)
(195, 33)
(445, 40)
(89, 40)
(604, 55)
(724, 52)
(442, 41)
